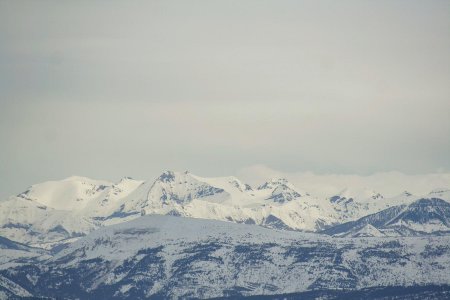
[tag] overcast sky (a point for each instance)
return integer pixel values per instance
(107, 89)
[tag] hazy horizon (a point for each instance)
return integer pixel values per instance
(112, 89)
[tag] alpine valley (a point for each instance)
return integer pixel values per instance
(185, 236)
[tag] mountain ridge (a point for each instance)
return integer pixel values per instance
(172, 257)
(56, 211)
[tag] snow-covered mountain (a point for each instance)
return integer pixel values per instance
(81, 194)
(31, 222)
(282, 190)
(48, 213)
(84, 238)
(422, 217)
(171, 257)
(54, 211)
(58, 212)
(356, 203)
(228, 199)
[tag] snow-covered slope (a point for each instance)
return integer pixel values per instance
(14, 254)
(92, 197)
(365, 231)
(282, 191)
(353, 204)
(50, 212)
(72, 193)
(56, 212)
(228, 199)
(30, 222)
(422, 217)
(171, 257)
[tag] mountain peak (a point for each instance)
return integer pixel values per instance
(128, 183)
(368, 231)
(81, 179)
(430, 202)
(283, 193)
(359, 194)
(181, 188)
(273, 183)
(167, 176)
(125, 180)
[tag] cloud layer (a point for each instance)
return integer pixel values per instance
(108, 89)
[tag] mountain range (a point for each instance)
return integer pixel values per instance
(185, 236)
(167, 257)
(56, 212)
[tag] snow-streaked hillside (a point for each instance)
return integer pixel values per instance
(173, 257)
(13, 254)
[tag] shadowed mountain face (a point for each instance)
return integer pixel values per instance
(174, 257)
(425, 211)
(422, 217)
(8, 244)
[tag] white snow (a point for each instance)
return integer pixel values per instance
(54, 211)
(122, 242)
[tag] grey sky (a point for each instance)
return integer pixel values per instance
(126, 88)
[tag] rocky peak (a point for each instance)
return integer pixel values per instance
(273, 183)
(167, 176)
